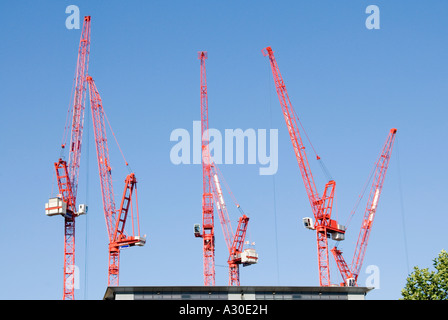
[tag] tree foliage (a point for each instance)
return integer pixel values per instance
(423, 284)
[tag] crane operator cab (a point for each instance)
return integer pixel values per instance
(308, 223)
(336, 230)
(350, 282)
(197, 230)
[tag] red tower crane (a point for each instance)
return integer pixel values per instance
(212, 194)
(321, 205)
(350, 275)
(115, 219)
(67, 173)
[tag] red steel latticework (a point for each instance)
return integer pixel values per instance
(115, 224)
(233, 241)
(321, 206)
(79, 104)
(67, 173)
(208, 227)
(372, 203)
(67, 176)
(102, 151)
(74, 156)
(212, 194)
(236, 250)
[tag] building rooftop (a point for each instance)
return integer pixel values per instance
(235, 293)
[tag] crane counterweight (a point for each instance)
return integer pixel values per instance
(56, 206)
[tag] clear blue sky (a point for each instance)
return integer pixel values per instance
(349, 86)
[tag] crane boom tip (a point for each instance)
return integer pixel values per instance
(266, 51)
(202, 55)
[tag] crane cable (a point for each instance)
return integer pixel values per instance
(67, 121)
(319, 159)
(360, 197)
(116, 141)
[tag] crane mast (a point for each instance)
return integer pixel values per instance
(67, 173)
(350, 275)
(115, 225)
(321, 206)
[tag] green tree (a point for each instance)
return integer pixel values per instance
(423, 284)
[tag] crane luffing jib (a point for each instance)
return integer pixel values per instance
(102, 150)
(79, 104)
(321, 206)
(233, 241)
(381, 166)
(377, 186)
(293, 129)
(221, 208)
(115, 220)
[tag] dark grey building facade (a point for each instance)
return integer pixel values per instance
(235, 293)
